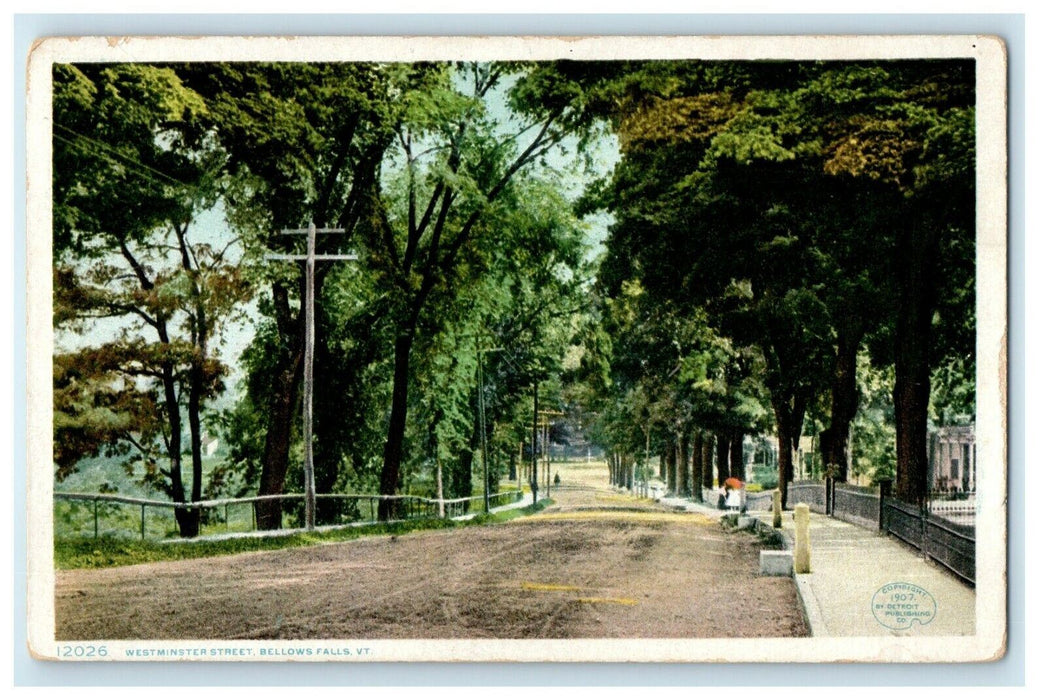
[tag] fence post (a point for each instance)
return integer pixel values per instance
(226, 517)
(143, 521)
(96, 518)
(884, 493)
(924, 508)
(829, 495)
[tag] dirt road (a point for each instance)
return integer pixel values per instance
(597, 564)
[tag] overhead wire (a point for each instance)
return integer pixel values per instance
(111, 151)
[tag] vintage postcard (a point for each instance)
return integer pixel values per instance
(517, 349)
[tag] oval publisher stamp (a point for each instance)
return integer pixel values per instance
(899, 605)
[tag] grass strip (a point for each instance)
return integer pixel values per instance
(105, 552)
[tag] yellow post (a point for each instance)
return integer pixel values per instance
(777, 508)
(802, 538)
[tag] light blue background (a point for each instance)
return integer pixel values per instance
(1009, 671)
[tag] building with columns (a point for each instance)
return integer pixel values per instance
(953, 459)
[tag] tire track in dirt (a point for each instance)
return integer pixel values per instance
(459, 574)
(684, 573)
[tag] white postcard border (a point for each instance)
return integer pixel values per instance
(988, 643)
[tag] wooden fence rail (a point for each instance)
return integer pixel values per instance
(407, 507)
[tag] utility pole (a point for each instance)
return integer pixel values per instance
(548, 459)
(310, 259)
(546, 435)
(483, 423)
(534, 449)
(483, 434)
(646, 466)
(544, 454)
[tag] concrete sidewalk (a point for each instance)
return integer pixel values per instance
(849, 566)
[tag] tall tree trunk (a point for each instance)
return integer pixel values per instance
(835, 439)
(329, 427)
(390, 468)
(682, 465)
(707, 446)
(696, 474)
(670, 466)
(722, 454)
(461, 474)
(188, 524)
(196, 445)
(911, 394)
(199, 333)
(439, 488)
(281, 409)
(789, 416)
(784, 462)
(737, 454)
(277, 441)
(662, 467)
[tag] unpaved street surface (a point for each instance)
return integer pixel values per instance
(595, 565)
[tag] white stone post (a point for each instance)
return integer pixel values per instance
(802, 538)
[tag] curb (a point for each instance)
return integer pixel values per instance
(811, 610)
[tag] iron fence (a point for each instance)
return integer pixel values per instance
(943, 530)
(903, 520)
(856, 505)
(951, 544)
(759, 500)
(958, 507)
(948, 543)
(812, 493)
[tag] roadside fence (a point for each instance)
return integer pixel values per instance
(942, 528)
(122, 516)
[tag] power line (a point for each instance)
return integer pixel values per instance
(113, 152)
(86, 148)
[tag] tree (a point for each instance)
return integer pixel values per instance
(914, 129)
(759, 170)
(457, 169)
(132, 167)
(440, 260)
(303, 143)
